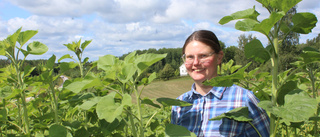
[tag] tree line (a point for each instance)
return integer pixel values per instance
(290, 49)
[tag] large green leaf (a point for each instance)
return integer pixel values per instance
(228, 80)
(152, 77)
(246, 24)
(149, 102)
(283, 5)
(172, 130)
(108, 109)
(27, 70)
(172, 102)
(85, 44)
(145, 60)
(221, 81)
(51, 61)
(310, 56)
(25, 36)
(254, 49)
(130, 58)
(266, 25)
(67, 56)
(126, 100)
(128, 70)
(65, 66)
(284, 90)
(46, 76)
(90, 103)
(304, 22)
(105, 62)
(3, 47)
(245, 14)
(12, 39)
(240, 114)
(265, 3)
(286, 5)
(37, 48)
(74, 46)
(10, 42)
(299, 102)
(266, 105)
(58, 131)
(83, 84)
(298, 107)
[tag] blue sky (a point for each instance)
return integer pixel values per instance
(121, 26)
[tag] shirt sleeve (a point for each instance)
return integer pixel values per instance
(260, 118)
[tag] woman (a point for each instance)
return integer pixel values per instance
(202, 54)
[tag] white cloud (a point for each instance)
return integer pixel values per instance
(121, 26)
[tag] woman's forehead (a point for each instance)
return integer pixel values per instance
(197, 47)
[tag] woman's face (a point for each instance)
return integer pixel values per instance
(204, 65)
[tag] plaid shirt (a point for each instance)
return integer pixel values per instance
(217, 101)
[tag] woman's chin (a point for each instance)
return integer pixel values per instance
(199, 79)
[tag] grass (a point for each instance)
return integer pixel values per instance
(170, 88)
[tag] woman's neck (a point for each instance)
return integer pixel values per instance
(202, 89)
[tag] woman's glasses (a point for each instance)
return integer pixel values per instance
(202, 58)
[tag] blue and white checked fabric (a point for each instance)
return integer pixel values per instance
(217, 101)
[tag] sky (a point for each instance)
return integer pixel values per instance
(118, 27)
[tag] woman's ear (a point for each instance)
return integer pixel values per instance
(220, 57)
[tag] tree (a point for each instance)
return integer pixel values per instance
(240, 58)
(288, 46)
(167, 72)
(229, 53)
(222, 45)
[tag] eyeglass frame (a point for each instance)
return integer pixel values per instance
(201, 59)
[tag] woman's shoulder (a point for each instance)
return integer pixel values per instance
(185, 95)
(236, 90)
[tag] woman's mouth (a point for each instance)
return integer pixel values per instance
(198, 70)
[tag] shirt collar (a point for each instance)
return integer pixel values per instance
(216, 91)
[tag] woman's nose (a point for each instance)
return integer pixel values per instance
(196, 61)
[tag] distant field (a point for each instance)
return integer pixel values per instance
(171, 88)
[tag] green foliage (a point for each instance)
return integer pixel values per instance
(92, 104)
(173, 58)
(295, 101)
(102, 98)
(175, 130)
(273, 27)
(229, 53)
(240, 114)
(167, 72)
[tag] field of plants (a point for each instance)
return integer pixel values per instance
(114, 102)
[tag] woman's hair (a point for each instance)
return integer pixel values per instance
(206, 37)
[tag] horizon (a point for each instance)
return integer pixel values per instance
(118, 27)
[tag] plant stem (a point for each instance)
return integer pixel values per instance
(149, 121)
(255, 129)
(25, 112)
(23, 98)
(133, 129)
(80, 65)
(81, 68)
(5, 122)
(274, 60)
(56, 117)
(19, 112)
(139, 111)
(16, 126)
(312, 79)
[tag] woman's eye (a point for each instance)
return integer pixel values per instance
(190, 57)
(203, 56)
